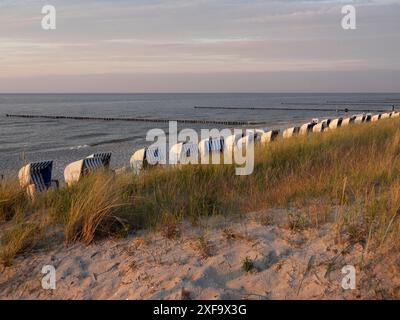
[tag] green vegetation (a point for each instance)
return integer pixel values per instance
(352, 172)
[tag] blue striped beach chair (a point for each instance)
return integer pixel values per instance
(78, 169)
(105, 158)
(215, 145)
(149, 156)
(211, 145)
(36, 176)
(184, 153)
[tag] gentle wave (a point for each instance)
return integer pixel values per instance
(79, 147)
(95, 144)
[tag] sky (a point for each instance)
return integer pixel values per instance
(199, 46)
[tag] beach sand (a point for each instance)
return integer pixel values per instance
(205, 261)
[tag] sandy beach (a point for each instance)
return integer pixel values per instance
(206, 262)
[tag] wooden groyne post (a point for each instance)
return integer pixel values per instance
(192, 121)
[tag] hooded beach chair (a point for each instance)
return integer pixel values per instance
(211, 146)
(395, 114)
(375, 117)
(385, 115)
(322, 126)
(246, 141)
(335, 123)
(269, 136)
(231, 141)
(104, 157)
(78, 169)
(36, 177)
(184, 153)
(290, 132)
(149, 156)
(258, 133)
(348, 121)
(359, 118)
(308, 127)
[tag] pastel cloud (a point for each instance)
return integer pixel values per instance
(196, 37)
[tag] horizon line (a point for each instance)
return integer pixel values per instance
(203, 92)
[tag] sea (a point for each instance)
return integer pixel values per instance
(25, 140)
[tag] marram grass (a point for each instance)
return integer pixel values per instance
(353, 171)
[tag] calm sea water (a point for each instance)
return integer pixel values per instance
(68, 140)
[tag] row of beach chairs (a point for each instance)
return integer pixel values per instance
(37, 177)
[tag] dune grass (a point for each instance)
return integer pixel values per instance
(352, 173)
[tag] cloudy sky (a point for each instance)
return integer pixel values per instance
(199, 46)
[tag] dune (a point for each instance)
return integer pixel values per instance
(207, 261)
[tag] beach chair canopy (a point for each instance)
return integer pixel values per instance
(288, 133)
(245, 141)
(78, 169)
(359, 118)
(212, 145)
(258, 133)
(375, 117)
(38, 174)
(154, 155)
(307, 127)
(269, 136)
(104, 157)
(184, 153)
(190, 149)
(147, 156)
(348, 121)
(385, 115)
(321, 126)
(231, 141)
(335, 123)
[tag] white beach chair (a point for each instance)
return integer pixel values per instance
(211, 145)
(348, 121)
(258, 133)
(375, 117)
(359, 118)
(76, 170)
(184, 153)
(308, 127)
(245, 142)
(232, 140)
(322, 126)
(368, 117)
(385, 115)
(290, 132)
(335, 123)
(37, 177)
(149, 156)
(395, 114)
(269, 136)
